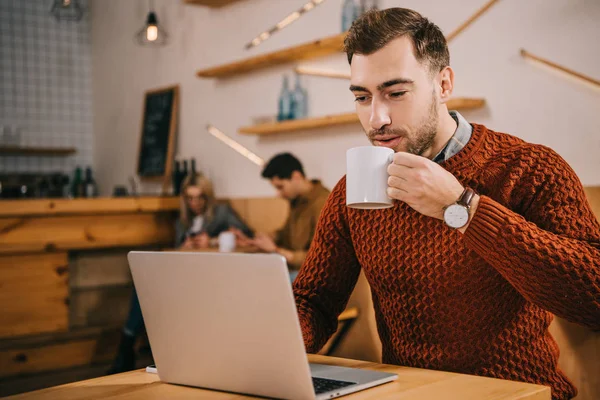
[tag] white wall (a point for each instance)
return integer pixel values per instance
(524, 99)
(45, 86)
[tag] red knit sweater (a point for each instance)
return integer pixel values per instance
(478, 303)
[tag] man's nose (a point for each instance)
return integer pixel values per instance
(380, 115)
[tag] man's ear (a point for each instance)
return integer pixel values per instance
(296, 175)
(446, 82)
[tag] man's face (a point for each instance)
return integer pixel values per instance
(396, 98)
(285, 188)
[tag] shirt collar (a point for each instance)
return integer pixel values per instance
(458, 141)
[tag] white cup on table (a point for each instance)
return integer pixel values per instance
(226, 242)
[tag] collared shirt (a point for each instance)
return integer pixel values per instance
(299, 229)
(461, 137)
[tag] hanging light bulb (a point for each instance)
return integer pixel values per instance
(152, 34)
(67, 10)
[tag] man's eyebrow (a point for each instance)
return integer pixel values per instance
(380, 87)
(354, 88)
(395, 82)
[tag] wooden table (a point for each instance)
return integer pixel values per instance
(412, 383)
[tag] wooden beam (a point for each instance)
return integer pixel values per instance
(568, 71)
(470, 20)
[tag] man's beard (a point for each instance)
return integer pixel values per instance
(422, 139)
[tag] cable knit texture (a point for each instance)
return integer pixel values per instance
(478, 303)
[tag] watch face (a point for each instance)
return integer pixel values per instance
(456, 216)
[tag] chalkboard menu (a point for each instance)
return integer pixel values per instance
(159, 121)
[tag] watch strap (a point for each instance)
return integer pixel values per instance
(466, 197)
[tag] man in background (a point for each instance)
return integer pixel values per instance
(306, 197)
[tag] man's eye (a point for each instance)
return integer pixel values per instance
(360, 99)
(397, 94)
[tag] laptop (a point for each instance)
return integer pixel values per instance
(228, 322)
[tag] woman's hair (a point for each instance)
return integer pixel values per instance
(208, 194)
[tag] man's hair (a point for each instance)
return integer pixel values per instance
(375, 29)
(282, 166)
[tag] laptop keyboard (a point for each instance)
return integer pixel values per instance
(322, 385)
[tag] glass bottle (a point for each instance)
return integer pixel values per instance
(285, 101)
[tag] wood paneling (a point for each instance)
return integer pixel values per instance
(33, 294)
(105, 306)
(339, 119)
(116, 205)
(98, 268)
(318, 48)
(262, 214)
(58, 351)
(14, 362)
(362, 341)
(593, 196)
(84, 232)
(579, 357)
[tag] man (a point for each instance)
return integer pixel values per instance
(474, 296)
(306, 198)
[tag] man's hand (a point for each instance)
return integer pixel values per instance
(241, 240)
(201, 241)
(188, 244)
(422, 184)
(264, 242)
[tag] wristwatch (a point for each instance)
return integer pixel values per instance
(457, 215)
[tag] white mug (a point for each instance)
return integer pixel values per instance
(226, 242)
(367, 177)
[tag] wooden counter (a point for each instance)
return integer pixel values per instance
(37, 241)
(98, 206)
(412, 383)
(53, 225)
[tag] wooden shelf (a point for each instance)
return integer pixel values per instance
(321, 47)
(211, 3)
(339, 119)
(300, 124)
(36, 151)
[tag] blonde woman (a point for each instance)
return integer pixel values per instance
(200, 222)
(201, 218)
